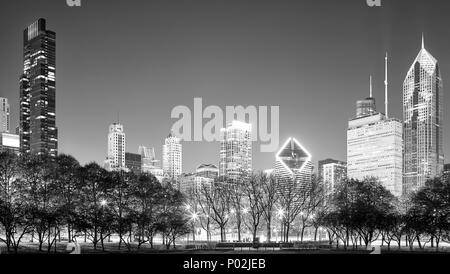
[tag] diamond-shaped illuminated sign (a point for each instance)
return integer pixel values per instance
(293, 156)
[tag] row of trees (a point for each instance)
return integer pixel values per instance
(355, 213)
(256, 205)
(41, 197)
(361, 212)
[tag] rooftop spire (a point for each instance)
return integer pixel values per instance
(371, 87)
(386, 103)
(423, 41)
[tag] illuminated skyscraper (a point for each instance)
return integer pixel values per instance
(374, 149)
(293, 166)
(116, 147)
(4, 116)
(37, 129)
(332, 172)
(423, 121)
(236, 152)
(172, 158)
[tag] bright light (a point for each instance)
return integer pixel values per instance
(245, 210)
(103, 202)
(280, 212)
(194, 216)
(308, 158)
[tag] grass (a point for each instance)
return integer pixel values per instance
(113, 248)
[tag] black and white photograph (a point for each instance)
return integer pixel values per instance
(224, 135)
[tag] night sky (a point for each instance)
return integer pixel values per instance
(141, 58)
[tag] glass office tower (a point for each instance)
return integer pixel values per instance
(37, 129)
(423, 122)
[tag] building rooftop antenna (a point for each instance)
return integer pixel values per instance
(386, 86)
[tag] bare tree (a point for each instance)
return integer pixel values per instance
(315, 197)
(254, 194)
(218, 199)
(204, 209)
(269, 198)
(292, 199)
(236, 196)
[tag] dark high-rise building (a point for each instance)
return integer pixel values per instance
(133, 162)
(37, 129)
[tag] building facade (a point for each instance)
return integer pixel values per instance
(37, 128)
(191, 183)
(236, 152)
(332, 172)
(172, 158)
(207, 171)
(149, 164)
(9, 143)
(423, 122)
(133, 162)
(374, 150)
(116, 147)
(293, 166)
(4, 115)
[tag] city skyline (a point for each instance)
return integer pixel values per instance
(331, 107)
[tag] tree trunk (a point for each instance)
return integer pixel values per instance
(302, 233)
(269, 231)
(255, 231)
(418, 241)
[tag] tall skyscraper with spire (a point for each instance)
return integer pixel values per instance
(37, 128)
(423, 121)
(374, 147)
